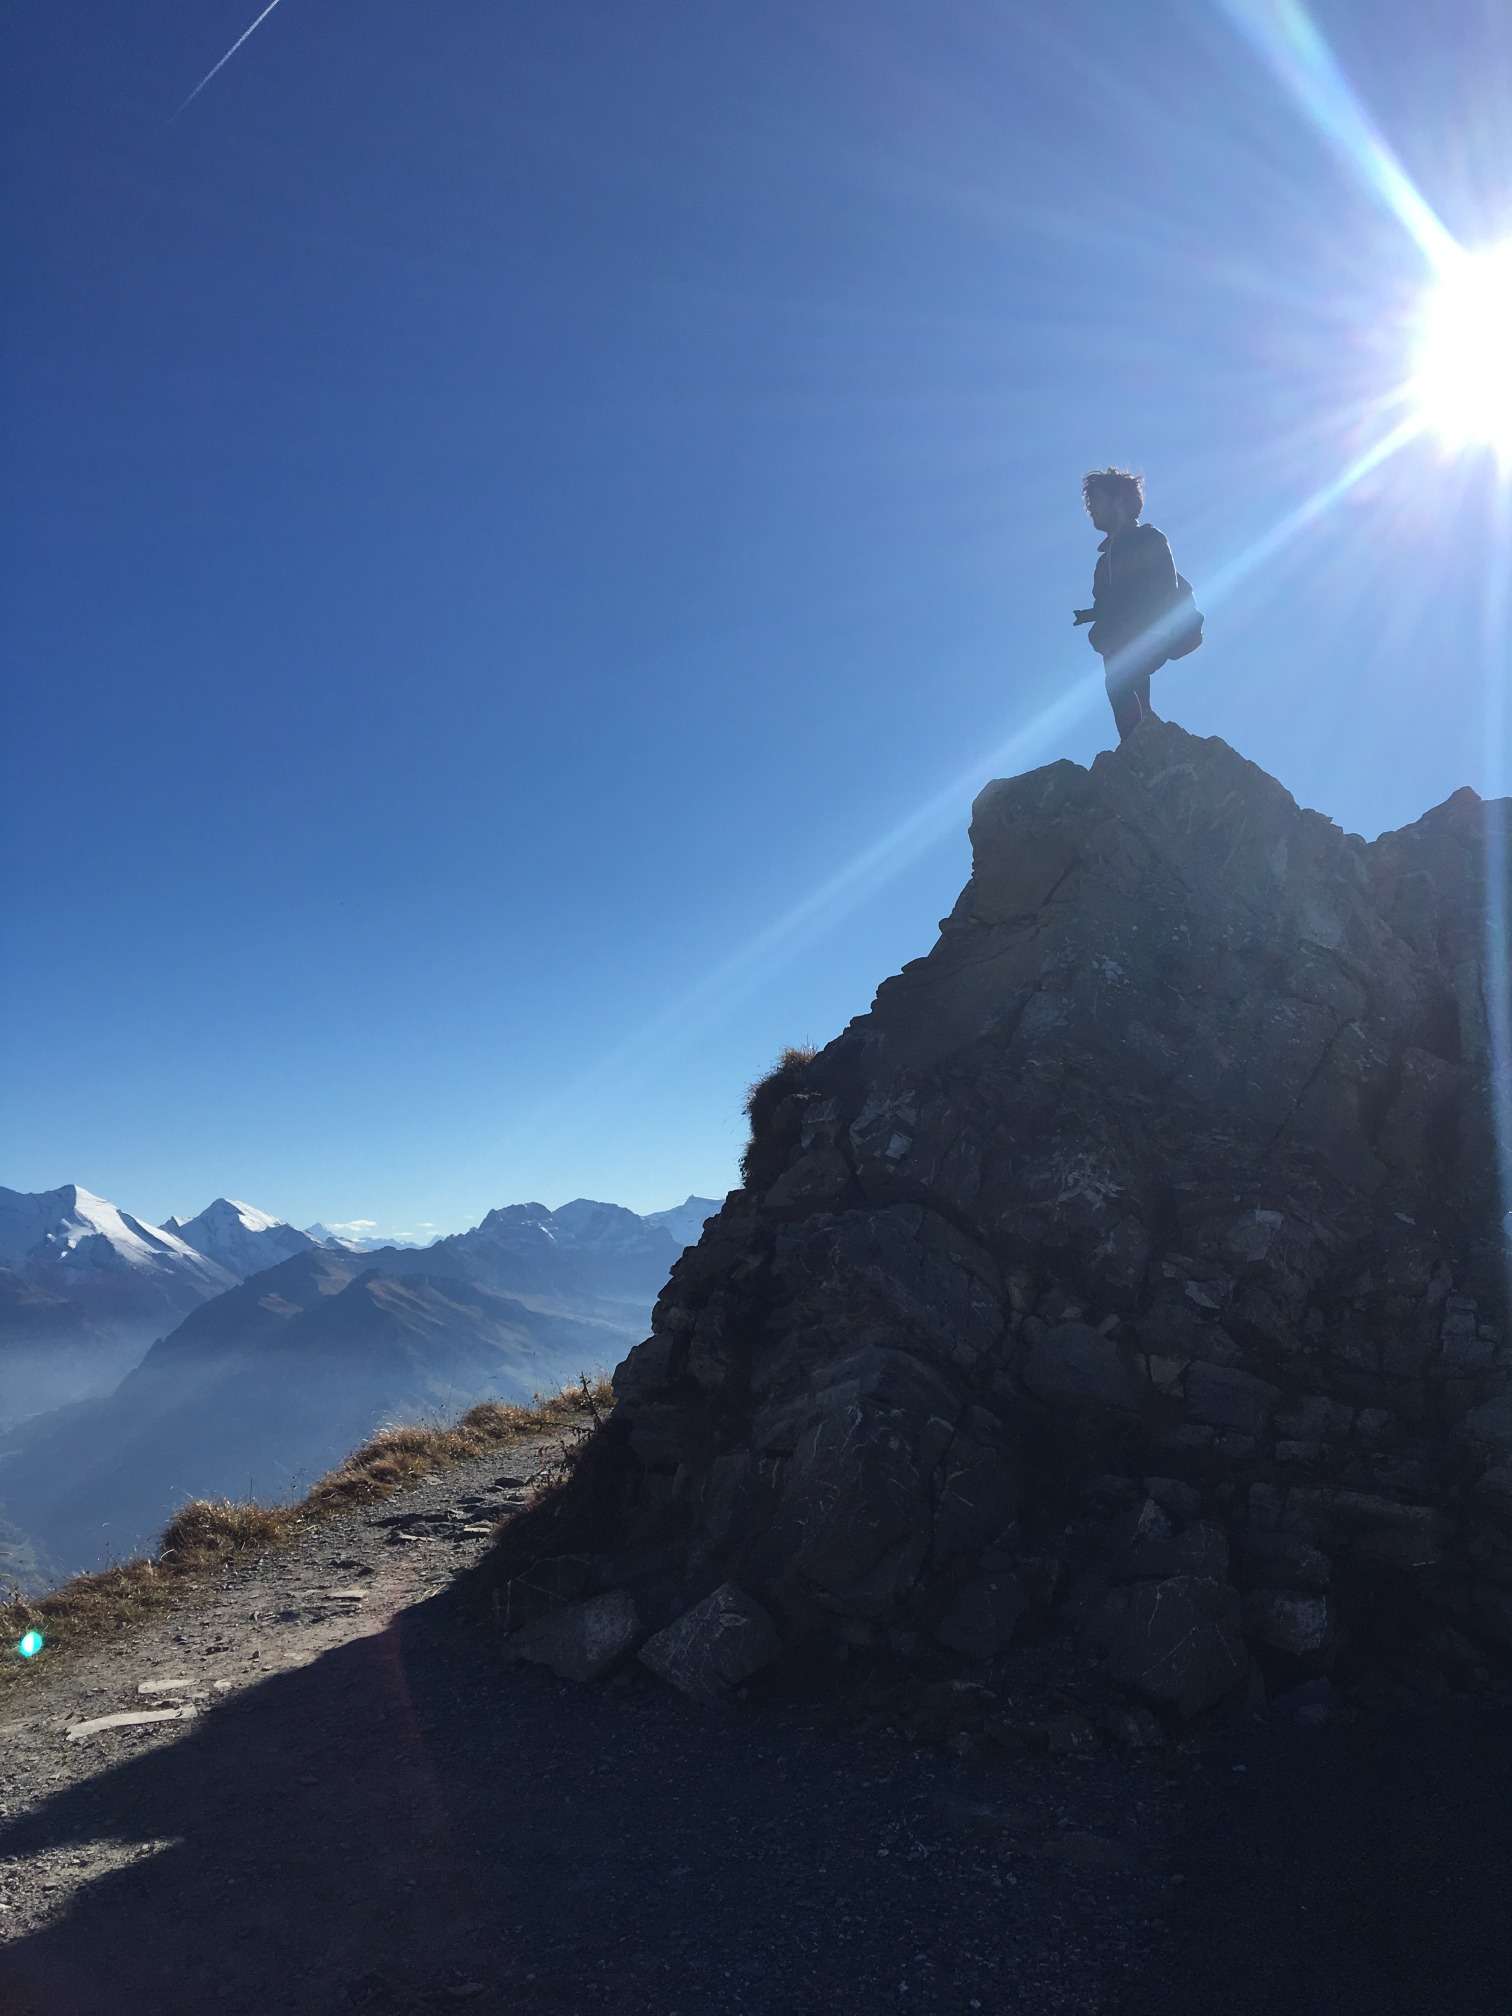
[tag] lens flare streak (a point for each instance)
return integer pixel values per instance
(1497, 965)
(1270, 543)
(1288, 41)
(868, 871)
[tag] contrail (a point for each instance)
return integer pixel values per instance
(227, 57)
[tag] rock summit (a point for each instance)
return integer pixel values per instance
(1133, 1275)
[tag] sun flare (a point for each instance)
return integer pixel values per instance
(1462, 381)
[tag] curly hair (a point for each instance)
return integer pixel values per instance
(1123, 484)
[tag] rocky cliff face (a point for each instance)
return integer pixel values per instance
(1133, 1274)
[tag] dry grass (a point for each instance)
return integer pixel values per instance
(397, 1456)
(205, 1535)
(780, 1080)
(767, 1151)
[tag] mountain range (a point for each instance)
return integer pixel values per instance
(324, 1236)
(232, 1354)
(85, 1288)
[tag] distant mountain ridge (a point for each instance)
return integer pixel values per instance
(584, 1247)
(324, 1236)
(274, 1375)
(268, 1386)
(86, 1288)
(685, 1221)
(239, 1237)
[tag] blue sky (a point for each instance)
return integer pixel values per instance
(533, 522)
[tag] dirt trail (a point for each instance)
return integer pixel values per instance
(367, 1811)
(342, 1581)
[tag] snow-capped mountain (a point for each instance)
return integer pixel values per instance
(73, 1235)
(685, 1221)
(239, 1237)
(118, 1269)
(324, 1236)
(89, 1289)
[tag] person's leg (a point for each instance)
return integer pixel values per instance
(1125, 704)
(1129, 696)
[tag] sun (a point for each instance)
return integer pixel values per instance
(1462, 377)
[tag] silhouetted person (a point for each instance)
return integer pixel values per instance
(1133, 589)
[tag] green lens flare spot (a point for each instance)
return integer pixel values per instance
(31, 1644)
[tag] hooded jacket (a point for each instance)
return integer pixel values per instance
(1133, 585)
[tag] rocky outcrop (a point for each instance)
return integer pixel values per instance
(1135, 1275)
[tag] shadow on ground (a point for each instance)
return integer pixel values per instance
(402, 1826)
(1348, 1872)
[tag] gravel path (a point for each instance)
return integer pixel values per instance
(366, 1811)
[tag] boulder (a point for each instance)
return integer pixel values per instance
(582, 1641)
(1073, 1365)
(1227, 1397)
(1179, 1642)
(714, 1646)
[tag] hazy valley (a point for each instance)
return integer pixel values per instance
(235, 1355)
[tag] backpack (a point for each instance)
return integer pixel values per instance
(1187, 618)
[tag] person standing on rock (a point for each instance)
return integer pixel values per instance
(1133, 589)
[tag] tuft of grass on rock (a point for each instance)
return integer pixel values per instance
(205, 1535)
(767, 1152)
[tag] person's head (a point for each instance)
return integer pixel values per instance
(1114, 498)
